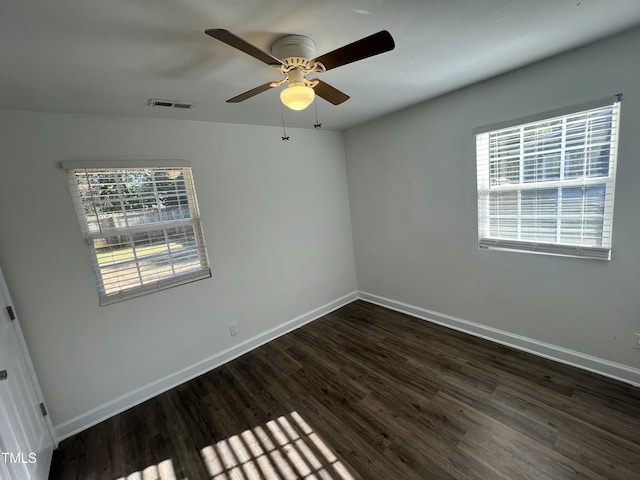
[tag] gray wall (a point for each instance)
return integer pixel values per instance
(276, 223)
(412, 187)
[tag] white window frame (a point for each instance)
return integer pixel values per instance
(485, 189)
(107, 293)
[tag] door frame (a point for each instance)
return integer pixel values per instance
(27, 357)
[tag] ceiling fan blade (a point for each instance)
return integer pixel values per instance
(251, 93)
(329, 93)
(364, 48)
(234, 41)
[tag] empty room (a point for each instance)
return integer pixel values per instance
(319, 240)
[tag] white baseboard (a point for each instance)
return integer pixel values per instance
(131, 399)
(614, 370)
(607, 368)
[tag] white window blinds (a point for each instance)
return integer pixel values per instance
(142, 228)
(547, 186)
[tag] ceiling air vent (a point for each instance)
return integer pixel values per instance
(156, 102)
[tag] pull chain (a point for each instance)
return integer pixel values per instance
(316, 125)
(285, 138)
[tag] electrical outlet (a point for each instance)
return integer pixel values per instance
(636, 340)
(233, 328)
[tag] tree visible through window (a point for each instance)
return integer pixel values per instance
(142, 228)
(547, 186)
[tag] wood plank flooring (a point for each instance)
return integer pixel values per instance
(368, 393)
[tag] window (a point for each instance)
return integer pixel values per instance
(141, 225)
(546, 185)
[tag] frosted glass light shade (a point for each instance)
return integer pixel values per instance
(297, 96)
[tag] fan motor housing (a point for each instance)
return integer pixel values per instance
(294, 50)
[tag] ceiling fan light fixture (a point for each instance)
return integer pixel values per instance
(294, 56)
(297, 96)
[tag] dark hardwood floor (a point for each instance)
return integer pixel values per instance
(368, 393)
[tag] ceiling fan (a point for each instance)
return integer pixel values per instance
(293, 56)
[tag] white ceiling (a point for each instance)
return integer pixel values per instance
(111, 56)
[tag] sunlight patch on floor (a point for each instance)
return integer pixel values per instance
(283, 449)
(162, 471)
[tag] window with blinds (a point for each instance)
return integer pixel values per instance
(141, 225)
(546, 185)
